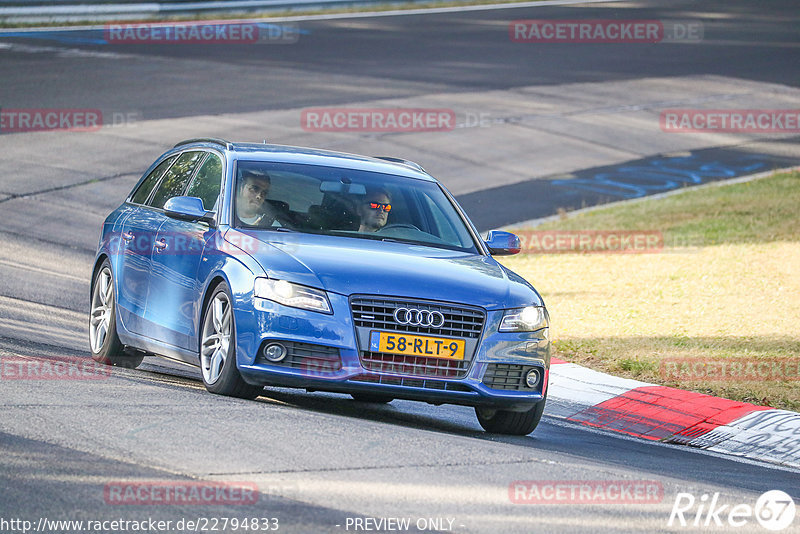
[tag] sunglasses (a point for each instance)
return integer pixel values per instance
(378, 206)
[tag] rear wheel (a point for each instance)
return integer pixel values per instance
(370, 397)
(508, 422)
(218, 349)
(103, 340)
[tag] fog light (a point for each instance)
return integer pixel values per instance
(532, 378)
(275, 352)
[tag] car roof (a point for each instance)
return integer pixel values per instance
(311, 156)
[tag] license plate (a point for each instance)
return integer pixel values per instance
(412, 345)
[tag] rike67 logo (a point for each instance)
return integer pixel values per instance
(774, 510)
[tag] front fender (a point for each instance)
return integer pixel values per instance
(239, 271)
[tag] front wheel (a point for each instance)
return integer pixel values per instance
(218, 349)
(103, 340)
(508, 422)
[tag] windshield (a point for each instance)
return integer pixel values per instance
(344, 202)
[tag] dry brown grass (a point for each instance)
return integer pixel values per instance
(627, 313)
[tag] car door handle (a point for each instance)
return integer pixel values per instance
(160, 245)
(127, 236)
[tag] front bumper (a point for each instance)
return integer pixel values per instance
(325, 357)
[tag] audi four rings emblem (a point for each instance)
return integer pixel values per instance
(415, 317)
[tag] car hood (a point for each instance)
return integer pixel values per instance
(351, 266)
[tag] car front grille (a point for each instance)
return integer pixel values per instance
(317, 360)
(509, 377)
(374, 313)
(378, 314)
(399, 364)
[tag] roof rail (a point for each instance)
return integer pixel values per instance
(213, 140)
(407, 163)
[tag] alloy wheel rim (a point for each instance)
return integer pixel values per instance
(102, 310)
(216, 338)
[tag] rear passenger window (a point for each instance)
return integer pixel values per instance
(206, 183)
(147, 185)
(176, 179)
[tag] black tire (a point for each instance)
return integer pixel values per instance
(508, 422)
(227, 380)
(104, 342)
(371, 397)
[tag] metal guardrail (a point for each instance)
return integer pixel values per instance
(40, 3)
(87, 10)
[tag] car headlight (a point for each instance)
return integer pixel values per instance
(526, 319)
(293, 295)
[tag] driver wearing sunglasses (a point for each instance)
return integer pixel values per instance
(374, 210)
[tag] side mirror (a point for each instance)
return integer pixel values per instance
(188, 209)
(503, 243)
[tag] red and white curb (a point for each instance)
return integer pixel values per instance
(670, 415)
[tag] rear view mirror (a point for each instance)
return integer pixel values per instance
(342, 188)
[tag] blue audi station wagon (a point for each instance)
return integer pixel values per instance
(270, 265)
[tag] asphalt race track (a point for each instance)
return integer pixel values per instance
(539, 127)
